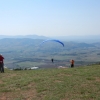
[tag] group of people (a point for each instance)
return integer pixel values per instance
(1, 64)
(71, 62)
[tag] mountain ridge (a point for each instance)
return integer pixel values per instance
(86, 39)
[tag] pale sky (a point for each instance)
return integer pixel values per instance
(50, 17)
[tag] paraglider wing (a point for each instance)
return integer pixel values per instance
(53, 40)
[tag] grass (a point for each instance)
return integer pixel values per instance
(80, 83)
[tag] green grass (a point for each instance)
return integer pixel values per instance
(81, 83)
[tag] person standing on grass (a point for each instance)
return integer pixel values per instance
(1, 64)
(72, 63)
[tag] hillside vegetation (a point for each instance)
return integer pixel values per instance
(80, 83)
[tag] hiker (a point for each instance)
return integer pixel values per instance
(52, 60)
(72, 63)
(1, 64)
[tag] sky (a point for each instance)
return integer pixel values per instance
(50, 17)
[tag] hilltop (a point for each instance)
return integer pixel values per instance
(80, 83)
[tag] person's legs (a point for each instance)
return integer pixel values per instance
(72, 65)
(2, 67)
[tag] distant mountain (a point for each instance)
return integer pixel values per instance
(24, 36)
(86, 39)
(12, 43)
(26, 51)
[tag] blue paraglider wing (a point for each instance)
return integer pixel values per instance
(52, 40)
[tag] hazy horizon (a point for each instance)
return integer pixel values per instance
(86, 39)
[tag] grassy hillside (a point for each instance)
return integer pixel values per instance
(80, 83)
